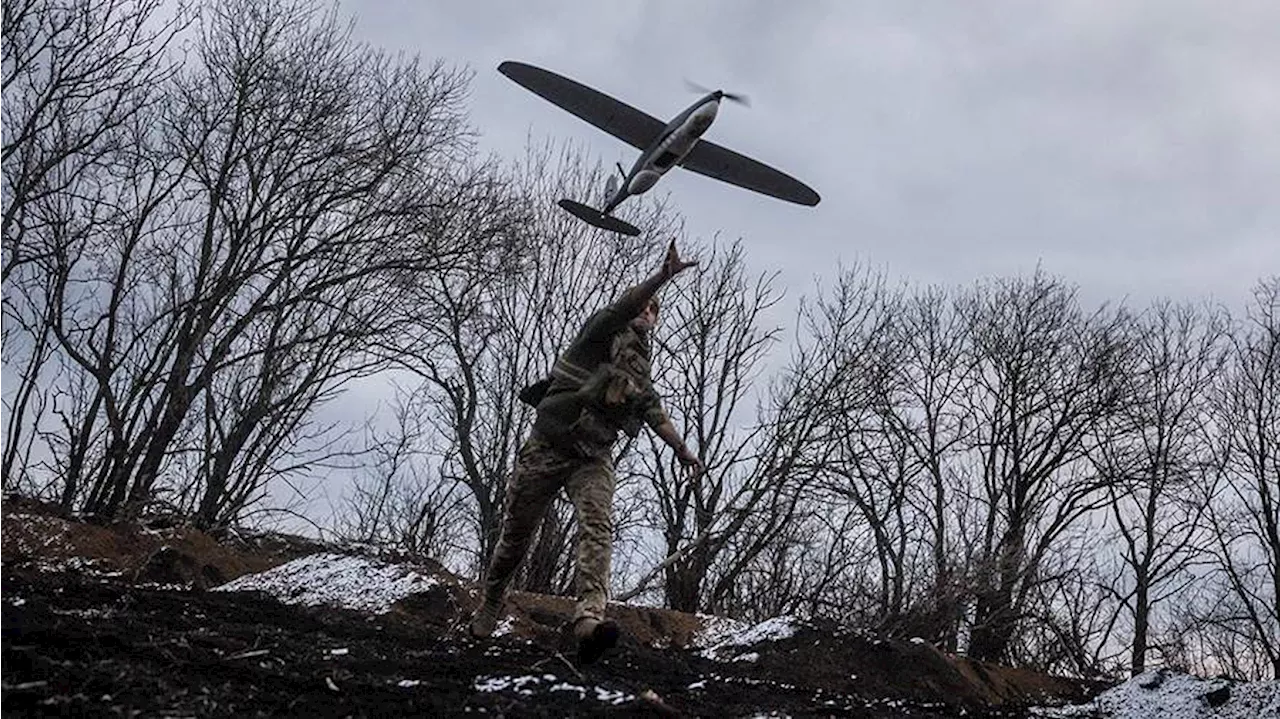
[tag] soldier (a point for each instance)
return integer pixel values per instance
(599, 387)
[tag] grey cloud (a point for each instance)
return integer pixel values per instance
(1128, 146)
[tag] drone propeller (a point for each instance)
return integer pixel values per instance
(735, 97)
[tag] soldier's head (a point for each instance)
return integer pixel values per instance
(648, 317)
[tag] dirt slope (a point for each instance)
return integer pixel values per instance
(125, 621)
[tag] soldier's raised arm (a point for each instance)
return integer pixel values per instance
(635, 299)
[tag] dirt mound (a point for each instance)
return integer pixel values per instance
(76, 645)
(547, 617)
(38, 535)
(912, 671)
(116, 619)
(822, 654)
(170, 565)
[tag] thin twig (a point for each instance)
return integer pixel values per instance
(249, 654)
(569, 664)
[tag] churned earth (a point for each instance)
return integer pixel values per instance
(148, 620)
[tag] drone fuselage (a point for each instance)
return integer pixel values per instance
(662, 146)
(677, 139)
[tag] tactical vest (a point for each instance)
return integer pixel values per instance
(593, 404)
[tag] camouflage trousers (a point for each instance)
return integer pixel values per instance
(540, 471)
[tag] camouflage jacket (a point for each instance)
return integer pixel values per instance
(602, 383)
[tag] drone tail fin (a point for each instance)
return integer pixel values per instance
(596, 218)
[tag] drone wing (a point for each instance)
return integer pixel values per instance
(613, 116)
(712, 160)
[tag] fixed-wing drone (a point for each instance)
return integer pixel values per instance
(662, 145)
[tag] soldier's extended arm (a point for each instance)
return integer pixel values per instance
(633, 301)
(668, 433)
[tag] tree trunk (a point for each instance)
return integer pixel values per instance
(1141, 627)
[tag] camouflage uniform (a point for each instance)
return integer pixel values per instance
(601, 385)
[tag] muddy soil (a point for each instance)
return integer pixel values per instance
(94, 637)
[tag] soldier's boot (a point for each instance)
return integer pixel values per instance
(595, 637)
(485, 620)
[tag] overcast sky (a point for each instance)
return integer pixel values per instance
(1129, 146)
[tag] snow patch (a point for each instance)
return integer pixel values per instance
(49, 534)
(81, 565)
(714, 630)
(1161, 694)
(726, 645)
(519, 685)
(529, 684)
(612, 696)
(336, 580)
(567, 687)
(504, 627)
(89, 613)
(750, 681)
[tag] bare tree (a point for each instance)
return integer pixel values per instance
(27, 339)
(755, 503)
(712, 345)
(239, 253)
(395, 504)
(813, 568)
(1048, 374)
(872, 472)
(1210, 636)
(797, 573)
(101, 287)
(925, 410)
(1073, 616)
(897, 467)
(77, 76)
(1245, 515)
(1153, 454)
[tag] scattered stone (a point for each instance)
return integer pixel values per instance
(1218, 697)
(1150, 680)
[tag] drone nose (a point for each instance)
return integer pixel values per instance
(719, 94)
(704, 116)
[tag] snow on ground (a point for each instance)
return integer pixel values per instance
(714, 629)
(88, 566)
(504, 627)
(1161, 694)
(530, 685)
(45, 535)
(336, 580)
(724, 638)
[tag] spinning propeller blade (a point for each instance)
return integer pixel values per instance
(734, 96)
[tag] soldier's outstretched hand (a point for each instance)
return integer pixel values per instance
(673, 265)
(691, 463)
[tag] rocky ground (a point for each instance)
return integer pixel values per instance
(146, 620)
